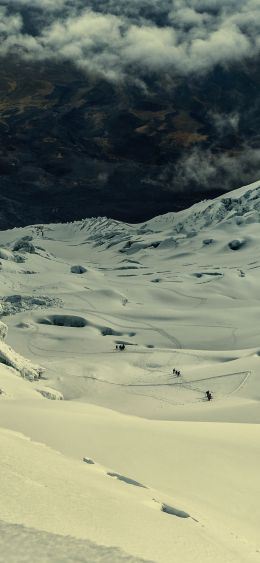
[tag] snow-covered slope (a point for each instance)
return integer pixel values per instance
(134, 456)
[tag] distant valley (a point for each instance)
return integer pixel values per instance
(74, 145)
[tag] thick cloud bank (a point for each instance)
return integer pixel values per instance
(118, 37)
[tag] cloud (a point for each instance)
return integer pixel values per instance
(204, 169)
(9, 25)
(118, 37)
(225, 123)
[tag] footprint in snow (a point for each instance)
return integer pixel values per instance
(125, 479)
(117, 476)
(88, 460)
(174, 511)
(168, 509)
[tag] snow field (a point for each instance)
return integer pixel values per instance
(132, 456)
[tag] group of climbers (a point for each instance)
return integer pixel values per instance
(120, 347)
(175, 371)
(209, 395)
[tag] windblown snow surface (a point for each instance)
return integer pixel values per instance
(107, 455)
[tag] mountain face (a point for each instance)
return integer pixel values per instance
(122, 109)
(74, 144)
(112, 338)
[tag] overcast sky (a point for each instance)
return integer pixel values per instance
(117, 37)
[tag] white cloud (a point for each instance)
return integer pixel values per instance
(9, 24)
(114, 35)
(204, 168)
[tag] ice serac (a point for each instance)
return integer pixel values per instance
(9, 357)
(3, 330)
(240, 207)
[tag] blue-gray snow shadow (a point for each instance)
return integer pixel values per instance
(125, 479)
(164, 507)
(174, 511)
(21, 544)
(88, 460)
